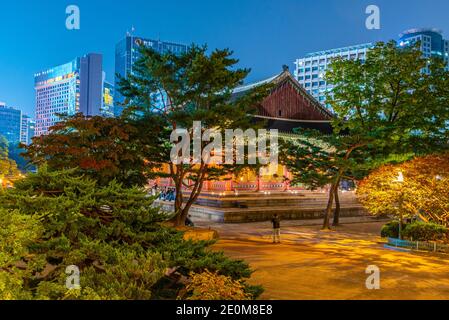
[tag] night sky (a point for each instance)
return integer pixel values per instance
(264, 34)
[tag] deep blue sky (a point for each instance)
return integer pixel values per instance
(265, 34)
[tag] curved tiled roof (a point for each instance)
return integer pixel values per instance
(278, 80)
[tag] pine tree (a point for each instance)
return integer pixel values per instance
(114, 235)
(168, 92)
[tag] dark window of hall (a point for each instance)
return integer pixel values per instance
(280, 113)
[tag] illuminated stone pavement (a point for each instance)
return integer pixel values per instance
(311, 264)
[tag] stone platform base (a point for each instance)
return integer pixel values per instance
(261, 207)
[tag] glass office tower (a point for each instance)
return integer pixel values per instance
(127, 53)
(10, 123)
(107, 109)
(68, 89)
(27, 129)
(431, 41)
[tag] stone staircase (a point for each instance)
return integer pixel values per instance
(257, 206)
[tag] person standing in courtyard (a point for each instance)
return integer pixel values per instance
(276, 221)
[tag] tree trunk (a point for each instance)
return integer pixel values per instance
(178, 197)
(337, 207)
(327, 214)
(184, 213)
(181, 216)
(178, 201)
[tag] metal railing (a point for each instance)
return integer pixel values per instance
(419, 245)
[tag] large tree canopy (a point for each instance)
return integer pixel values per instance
(173, 91)
(101, 148)
(383, 106)
(423, 191)
(55, 219)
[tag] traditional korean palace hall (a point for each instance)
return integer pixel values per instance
(250, 197)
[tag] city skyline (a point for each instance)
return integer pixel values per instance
(311, 69)
(235, 158)
(263, 36)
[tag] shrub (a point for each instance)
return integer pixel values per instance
(420, 231)
(52, 220)
(212, 286)
(17, 233)
(390, 230)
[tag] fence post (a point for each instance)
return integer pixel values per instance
(434, 247)
(417, 245)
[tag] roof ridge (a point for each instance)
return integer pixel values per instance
(314, 101)
(255, 84)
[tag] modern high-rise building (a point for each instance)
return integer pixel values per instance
(67, 89)
(310, 70)
(27, 129)
(10, 123)
(107, 108)
(432, 43)
(127, 53)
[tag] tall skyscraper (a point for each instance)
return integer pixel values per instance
(91, 84)
(68, 89)
(127, 53)
(310, 70)
(432, 43)
(27, 130)
(10, 123)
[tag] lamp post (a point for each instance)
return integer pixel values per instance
(400, 181)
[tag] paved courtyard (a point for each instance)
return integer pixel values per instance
(312, 264)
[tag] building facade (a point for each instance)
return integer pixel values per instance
(27, 130)
(68, 89)
(310, 70)
(107, 108)
(432, 43)
(10, 123)
(127, 53)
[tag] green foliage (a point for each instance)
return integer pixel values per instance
(17, 233)
(8, 167)
(390, 230)
(416, 231)
(100, 148)
(383, 106)
(421, 231)
(116, 274)
(56, 219)
(388, 100)
(16, 153)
